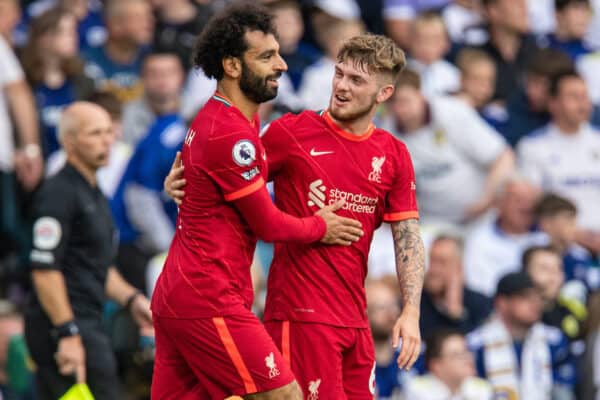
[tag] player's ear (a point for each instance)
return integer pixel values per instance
(385, 92)
(232, 66)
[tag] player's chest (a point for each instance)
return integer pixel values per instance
(329, 169)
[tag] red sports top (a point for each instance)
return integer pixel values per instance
(314, 162)
(207, 270)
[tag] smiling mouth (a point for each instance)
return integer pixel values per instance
(341, 99)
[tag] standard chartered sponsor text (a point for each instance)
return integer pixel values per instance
(355, 202)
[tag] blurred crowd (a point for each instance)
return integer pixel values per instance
(498, 107)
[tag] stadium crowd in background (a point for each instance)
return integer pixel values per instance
(498, 107)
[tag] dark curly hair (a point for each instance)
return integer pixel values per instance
(223, 36)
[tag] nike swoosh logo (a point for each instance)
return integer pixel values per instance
(313, 152)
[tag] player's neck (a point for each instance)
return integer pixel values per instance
(232, 91)
(356, 126)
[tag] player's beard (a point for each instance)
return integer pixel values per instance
(256, 87)
(353, 115)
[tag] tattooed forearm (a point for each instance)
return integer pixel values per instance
(410, 260)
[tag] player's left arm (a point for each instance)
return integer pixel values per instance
(410, 267)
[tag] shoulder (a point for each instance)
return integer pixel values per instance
(553, 335)
(477, 388)
(293, 124)
(536, 135)
(475, 339)
(56, 191)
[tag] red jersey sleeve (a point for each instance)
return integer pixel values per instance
(276, 140)
(236, 162)
(401, 201)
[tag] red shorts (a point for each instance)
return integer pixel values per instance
(215, 358)
(329, 362)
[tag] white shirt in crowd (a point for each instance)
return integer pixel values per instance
(10, 72)
(451, 157)
(315, 87)
(567, 164)
(429, 387)
(438, 78)
(490, 254)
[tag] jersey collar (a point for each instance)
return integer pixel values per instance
(345, 134)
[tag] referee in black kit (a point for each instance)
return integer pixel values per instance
(74, 246)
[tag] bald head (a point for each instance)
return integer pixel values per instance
(79, 114)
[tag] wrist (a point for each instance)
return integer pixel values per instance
(31, 150)
(412, 310)
(131, 299)
(67, 329)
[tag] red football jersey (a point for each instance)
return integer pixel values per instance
(207, 271)
(313, 162)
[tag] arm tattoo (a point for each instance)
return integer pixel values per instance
(410, 260)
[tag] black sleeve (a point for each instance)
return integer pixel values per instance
(53, 215)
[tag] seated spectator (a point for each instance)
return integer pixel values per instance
(572, 22)
(449, 145)
(446, 303)
(399, 14)
(90, 23)
(162, 78)
(289, 25)
(429, 43)
(494, 248)
(178, 24)
(477, 80)
(564, 156)
(54, 70)
(145, 218)
(315, 87)
(464, 21)
(383, 309)
(115, 67)
(544, 266)
(528, 107)
(452, 373)
(590, 381)
(509, 43)
(521, 357)
(557, 218)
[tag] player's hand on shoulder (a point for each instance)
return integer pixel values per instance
(340, 230)
(174, 182)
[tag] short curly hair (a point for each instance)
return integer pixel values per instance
(223, 36)
(374, 53)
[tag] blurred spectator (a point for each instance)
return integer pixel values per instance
(494, 248)
(528, 107)
(71, 262)
(315, 87)
(399, 14)
(145, 218)
(178, 23)
(508, 44)
(25, 163)
(110, 175)
(162, 78)
(564, 156)
(544, 266)
(521, 357)
(115, 67)
(477, 80)
(452, 373)
(557, 218)
(383, 309)
(450, 145)
(572, 22)
(464, 22)
(429, 43)
(590, 381)
(290, 27)
(91, 29)
(10, 13)
(446, 302)
(54, 70)
(16, 377)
